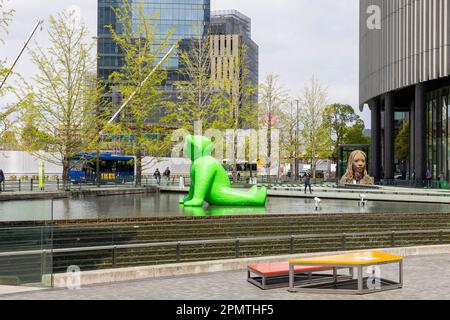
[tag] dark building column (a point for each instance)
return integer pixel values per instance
(375, 150)
(389, 169)
(420, 131)
(412, 130)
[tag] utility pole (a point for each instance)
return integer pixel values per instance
(25, 45)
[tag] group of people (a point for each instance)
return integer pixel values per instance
(157, 175)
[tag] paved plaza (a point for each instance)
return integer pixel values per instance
(425, 278)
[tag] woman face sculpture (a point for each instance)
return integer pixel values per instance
(359, 163)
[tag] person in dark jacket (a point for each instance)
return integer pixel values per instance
(166, 175)
(157, 176)
(2, 179)
(307, 179)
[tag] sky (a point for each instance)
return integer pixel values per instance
(297, 39)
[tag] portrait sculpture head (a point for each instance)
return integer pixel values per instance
(357, 169)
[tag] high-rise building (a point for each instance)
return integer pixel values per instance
(229, 30)
(189, 18)
(405, 81)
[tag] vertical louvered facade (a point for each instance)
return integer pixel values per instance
(411, 47)
(405, 80)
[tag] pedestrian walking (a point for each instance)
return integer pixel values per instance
(428, 178)
(2, 180)
(307, 180)
(167, 175)
(157, 176)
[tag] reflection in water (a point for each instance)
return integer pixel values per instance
(166, 205)
(212, 211)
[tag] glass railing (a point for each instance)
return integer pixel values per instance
(26, 243)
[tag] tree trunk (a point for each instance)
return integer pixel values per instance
(235, 142)
(66, 178)
(279, 164)
(138, 167)
(314, 167)
(269, 148)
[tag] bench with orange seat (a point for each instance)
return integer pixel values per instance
(276, 275)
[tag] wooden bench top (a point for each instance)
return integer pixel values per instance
(281, 268)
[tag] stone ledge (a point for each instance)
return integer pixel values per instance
(49, 195)
(109, 276)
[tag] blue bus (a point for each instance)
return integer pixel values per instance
(113, 168)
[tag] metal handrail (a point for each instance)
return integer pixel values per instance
(440, 232)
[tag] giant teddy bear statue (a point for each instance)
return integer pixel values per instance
(210, 181)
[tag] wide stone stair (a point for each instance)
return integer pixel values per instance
(88, 233)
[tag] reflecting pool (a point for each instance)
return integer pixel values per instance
(166, 205)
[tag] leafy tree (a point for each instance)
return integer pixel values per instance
(273, 98)
(339, 118)
(316, 136)
(57, 113)
(5, 19)
(290, 139)
(142, 48)
(355, 134)
(198, 99)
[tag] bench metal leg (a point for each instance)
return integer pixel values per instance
(360, 279)
(335, 275)
(291, 278)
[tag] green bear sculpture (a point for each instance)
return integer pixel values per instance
(210, 182)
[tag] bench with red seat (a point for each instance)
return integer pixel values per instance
(276, 275)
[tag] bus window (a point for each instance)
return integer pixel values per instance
(77, 165)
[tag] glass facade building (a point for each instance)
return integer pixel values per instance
(187, 18)
(438, 126)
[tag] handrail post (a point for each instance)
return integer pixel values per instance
(44, 261)
(31, 184)
(393, 239)
(343, 241)
(237, 248)
(20, 185)
(292, 250)
(441, 236)
(114, 257)
(178, 258)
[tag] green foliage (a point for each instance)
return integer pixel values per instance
(273, 97)
(197, 97)
(57, 113)
(315, 132)
(5, 18)
(345, 126)
(142, 48)
(5, 123)
(290, 141)
(402, 142)
(355, 134)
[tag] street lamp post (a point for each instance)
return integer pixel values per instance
(97, 151)
(296, 142)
